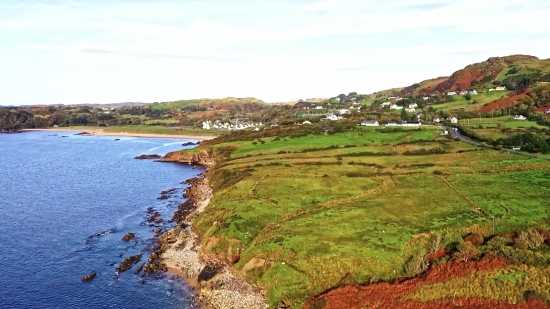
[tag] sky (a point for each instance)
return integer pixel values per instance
(110, 51)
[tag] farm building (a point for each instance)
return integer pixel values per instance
(370, 123)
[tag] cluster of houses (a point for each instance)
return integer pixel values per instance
(411, 109)
(463, 92)
(240, 125)
(375, 123)
(450, 119)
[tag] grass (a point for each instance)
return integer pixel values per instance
(203, 102)
(357, 219)
(476, 102)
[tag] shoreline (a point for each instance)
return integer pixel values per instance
(100, 132)
(224, 289)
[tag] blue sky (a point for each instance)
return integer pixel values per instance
(107, 51)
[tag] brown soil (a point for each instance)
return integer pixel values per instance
(502, 103)
(388, 295)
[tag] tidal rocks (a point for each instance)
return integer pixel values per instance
(188, 144)
(128, 236)
(128, 263)
(153, 217)
(89, 277)
(163, 197)
(138, 269)
(168, 191)
(146, 156)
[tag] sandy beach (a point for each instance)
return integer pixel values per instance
(101, 132)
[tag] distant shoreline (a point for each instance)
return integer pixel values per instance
(100, 132)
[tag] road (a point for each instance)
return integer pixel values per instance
(457, 135)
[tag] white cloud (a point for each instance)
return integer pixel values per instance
(164, 50)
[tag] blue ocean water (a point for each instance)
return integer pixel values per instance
(56, 192)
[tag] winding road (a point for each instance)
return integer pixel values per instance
(457, 135)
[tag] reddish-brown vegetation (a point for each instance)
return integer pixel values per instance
(436, 255)
(389, 295)
(502, 103)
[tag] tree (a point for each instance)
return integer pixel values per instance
(341, 97)
(404, 115)
(467, 96)
(465, 251)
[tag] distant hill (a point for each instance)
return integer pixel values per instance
(224, 103)
(505, 71)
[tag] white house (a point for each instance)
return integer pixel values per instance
(520, 117)
(463, 92)
(385, 104)
(332, 117)
(414, 105)
(436, 120)
(425, 98)
(451, 93)
(410, 110)
(370, 123)
(306, 122)
(396, 107)
(391, 124)
(453, 119)
(472, 92)
(343, 111)
(500, 88)
(318, 107)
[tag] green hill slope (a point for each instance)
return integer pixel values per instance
(205, 103)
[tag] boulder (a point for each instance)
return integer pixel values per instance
(128, 236)
(89, 277)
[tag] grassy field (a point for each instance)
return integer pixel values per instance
(310, 213)
(499, 127)
(476, 102)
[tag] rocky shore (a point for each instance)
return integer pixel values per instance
(215, 285)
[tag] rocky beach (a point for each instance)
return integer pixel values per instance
(215, 285)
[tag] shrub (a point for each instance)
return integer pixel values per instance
(475, 238)
(438, 172)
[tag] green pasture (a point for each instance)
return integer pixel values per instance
(476, 101)
(357, 220)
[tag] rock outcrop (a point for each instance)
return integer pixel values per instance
(145, 156)
(201, 157)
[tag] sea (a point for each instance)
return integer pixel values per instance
(66, 201)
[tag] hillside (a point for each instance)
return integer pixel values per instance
(217, 104)
(496, 71)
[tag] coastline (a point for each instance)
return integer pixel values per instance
(182, 255)
(100, 132)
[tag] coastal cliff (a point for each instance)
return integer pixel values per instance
(198, 156)
(215, 285)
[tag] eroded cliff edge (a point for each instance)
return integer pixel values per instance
(216, 285)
